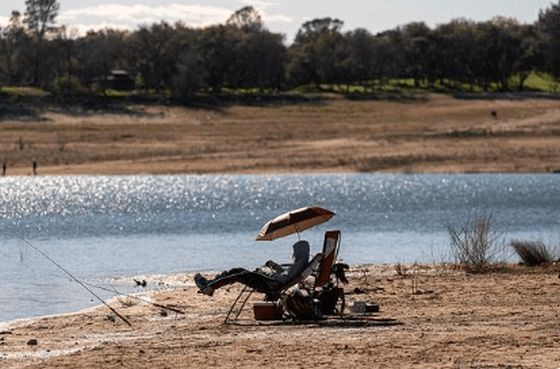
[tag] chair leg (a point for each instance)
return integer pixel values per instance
(246, 290)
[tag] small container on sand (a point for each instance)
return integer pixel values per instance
(267, 310)
(362, 307)
(359, 307)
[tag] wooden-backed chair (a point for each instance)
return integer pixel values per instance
(326, 288)
(331, 246)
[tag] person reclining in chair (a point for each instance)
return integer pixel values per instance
(258, 279)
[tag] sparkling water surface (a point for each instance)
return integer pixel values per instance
(107, 226)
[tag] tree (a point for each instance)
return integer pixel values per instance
(247, 19)
(260, 53)
(154, 54)
(387, 58)
(190, 71)
(362, 62)
(219, 46)
(312, 29)
(548, 29)
(2, 69)
(13, 40)
(190, 74)
(40, 17)
(530, 56)
(263, 53)
(317, 53)
(97, 53)
(63, 47)
(416, 39)
(458, 56)
(499, 46)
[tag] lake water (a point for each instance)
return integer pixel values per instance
(104, 227)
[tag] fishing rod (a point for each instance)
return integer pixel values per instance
(117, 292)
(37, 250)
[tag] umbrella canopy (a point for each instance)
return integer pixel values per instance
(293, 222)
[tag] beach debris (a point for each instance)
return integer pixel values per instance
(127, 301)
(110, 317)
(5, 332)
(141, 283)
(359, 307)
(362, 307)
(163, 313)
(423, 292)
(32, 342)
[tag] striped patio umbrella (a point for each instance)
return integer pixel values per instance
(294, 221)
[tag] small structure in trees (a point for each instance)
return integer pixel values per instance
(117, 79)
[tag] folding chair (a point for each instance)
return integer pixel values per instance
(273, 293)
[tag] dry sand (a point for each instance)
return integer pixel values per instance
(450, 320)
(434, 133)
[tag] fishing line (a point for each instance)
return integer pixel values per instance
(117, 292)
(70, 275)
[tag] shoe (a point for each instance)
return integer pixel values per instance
(202, 284)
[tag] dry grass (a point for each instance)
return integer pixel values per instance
(533, 253)
(477, 243)
(433, 134)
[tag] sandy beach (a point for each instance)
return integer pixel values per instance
(431, 316)
(425, 133)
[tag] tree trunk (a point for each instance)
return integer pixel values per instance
(522, 78)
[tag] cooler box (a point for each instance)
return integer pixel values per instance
(267, 310)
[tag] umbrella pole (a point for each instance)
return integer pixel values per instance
(297, 231)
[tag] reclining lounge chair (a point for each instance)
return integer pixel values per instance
(321, 267)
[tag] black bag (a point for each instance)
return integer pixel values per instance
(302, 307)
(329, 297)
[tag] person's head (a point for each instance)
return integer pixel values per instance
(301, 251)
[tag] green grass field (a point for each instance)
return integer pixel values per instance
(536, 82)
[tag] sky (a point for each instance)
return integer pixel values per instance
(284, 16)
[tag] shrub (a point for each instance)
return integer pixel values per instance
(477, 243)
(533, 253)
(67, 84)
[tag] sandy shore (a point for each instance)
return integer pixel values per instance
(427, 134)
(449, 320)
